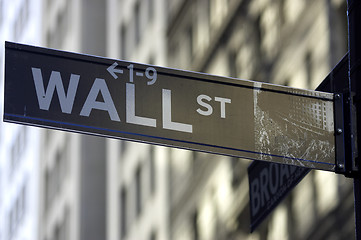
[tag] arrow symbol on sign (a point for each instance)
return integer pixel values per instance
(112, 70)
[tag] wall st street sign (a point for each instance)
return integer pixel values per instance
(114, 98)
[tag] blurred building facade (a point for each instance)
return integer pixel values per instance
(138, 180)
(293, 43)
(73, 166)
(95, 188)
(20, 21)
(91, 187)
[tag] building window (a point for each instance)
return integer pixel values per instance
(137, 23)
(56, 175)
(282, 14)
(56, 171)
(61, 23)
(49, 188)
(174, 54)
(64, 163)
(51, 40)
(195, 225)
(11, 224)
(123, 146)
(232, 63)
(21, 204)
(152, 170)
(46, 190)
(150, 9)
(190, 40)
(138, 190)
(17, 212)
(308, 66)
(258, 34)
(151, 60)
(123, 213)
(66, 224)
(62, 229)
(286, 82)
(57, 233)
(209, 12)
(123, 42)
(23, 198)
(17, 149)
(21, 20)
(153, 235)
(56, 37)
(236, 172)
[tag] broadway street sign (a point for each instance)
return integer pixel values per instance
(138, 102)
(269, 183)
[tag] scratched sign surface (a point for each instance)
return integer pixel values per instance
(138, 102)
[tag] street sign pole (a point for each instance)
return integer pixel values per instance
(354, 40)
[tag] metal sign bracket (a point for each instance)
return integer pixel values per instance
(339, 133)
(344, 118)
(345, 137)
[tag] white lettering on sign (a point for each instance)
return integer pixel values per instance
(150, 73)
(55, 82)
(204, 100)
(273, 182)
(99, 86)
(167, 114)
(112, 70)
(223, 102)
(200, 101)
(268, 183)
(130, 109)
